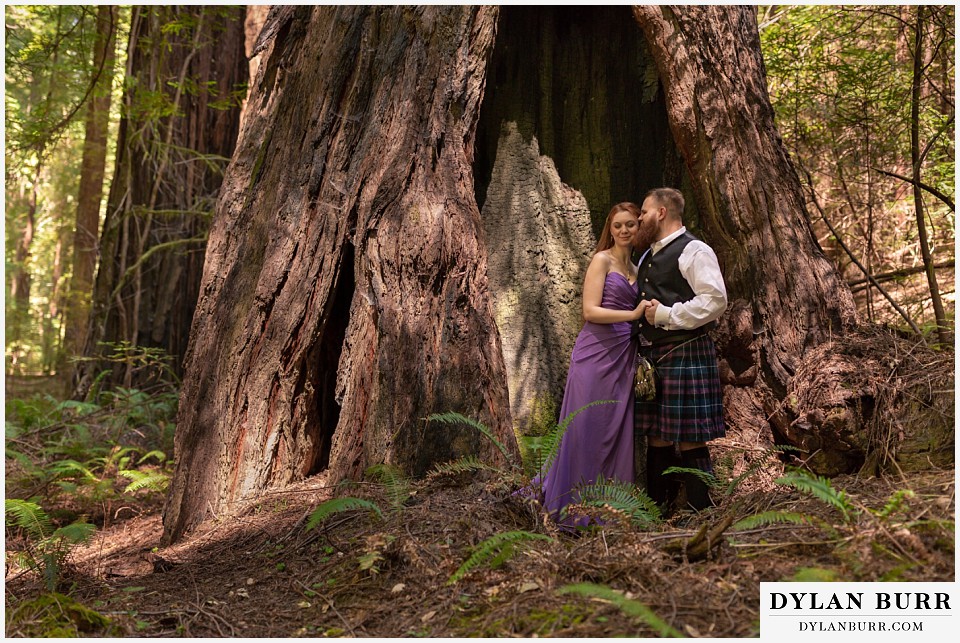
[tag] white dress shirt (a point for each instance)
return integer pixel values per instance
(698, 265)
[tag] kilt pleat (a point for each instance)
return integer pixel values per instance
(689, 403)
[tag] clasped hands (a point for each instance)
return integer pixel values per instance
(646, 308)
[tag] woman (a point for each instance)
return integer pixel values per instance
(599, 440)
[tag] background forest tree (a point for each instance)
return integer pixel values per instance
(841, 82)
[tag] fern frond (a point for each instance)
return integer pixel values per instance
(550, 443)
(707, 478)
(820, 488)
(70, 469)
(338, 505)
(894, 503)
(394, 482)
(153, 480)
(466, 464)
(74, 533)
(757, 465)
(496, 548)
(160, 456)
(28, 516)
(625, 497)
(772, 517)
(628, 606)
(454, 418)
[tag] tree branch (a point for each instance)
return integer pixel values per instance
(896, 274)
(920, 184)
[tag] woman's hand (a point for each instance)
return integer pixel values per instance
(641, 309)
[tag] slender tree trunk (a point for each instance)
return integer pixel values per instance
(91, 183)
(21, 281)
(345, 293)
(179, 127)
(943, 332)
(52, 330)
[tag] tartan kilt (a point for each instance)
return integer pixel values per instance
(689, 403)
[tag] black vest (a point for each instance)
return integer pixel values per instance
(659, 278)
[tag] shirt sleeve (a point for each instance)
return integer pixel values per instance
(698, 265)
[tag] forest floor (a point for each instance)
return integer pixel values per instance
(262, 573)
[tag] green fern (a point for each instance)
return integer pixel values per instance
(160, 456)
(466, 464)
(153, 480)
(549, 445)
(624, 497)
(453, 418)
(894, 503)
(396, 485)
(338, 505)
(28, 516)
(496, 549)
(628, 606)
(707, 478)
(772, 517)
(74, 533)
(758, 465)
(46, 548)
(821, 489)
(70, 469)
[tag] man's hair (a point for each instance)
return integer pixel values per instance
(669, 198)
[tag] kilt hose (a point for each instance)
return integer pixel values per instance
(689, 402)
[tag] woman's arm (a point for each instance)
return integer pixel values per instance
(593, 295)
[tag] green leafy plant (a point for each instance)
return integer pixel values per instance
(338, 505)
(894, 503)
(707, 478)
(628, 606)
(820, 488)
(757, 465)
(455, 419)
(396, 485)
(466, 464)
(495, 551)
(46, 548)
(153, 480)
(623, 497)
(546, 450)
(773, 517)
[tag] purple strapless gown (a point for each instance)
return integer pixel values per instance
(599, 440)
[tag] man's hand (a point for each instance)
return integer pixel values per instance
(651, 310)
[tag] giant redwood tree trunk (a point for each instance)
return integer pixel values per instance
(186, 68)
(344, 297)
(785, 297)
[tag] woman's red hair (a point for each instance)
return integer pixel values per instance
(606, 239)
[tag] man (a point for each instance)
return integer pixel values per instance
(681, 285)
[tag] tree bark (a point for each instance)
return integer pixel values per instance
(179, 126)
(93, 163)
(344, 296)
(785, 297)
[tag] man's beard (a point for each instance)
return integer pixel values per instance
(646, 235)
